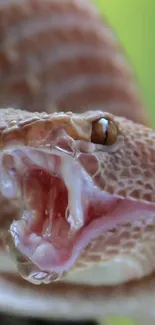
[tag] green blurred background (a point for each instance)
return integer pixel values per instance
(134, 22)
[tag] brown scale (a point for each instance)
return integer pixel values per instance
(91, 62)
(25, 87)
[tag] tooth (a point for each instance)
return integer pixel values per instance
(17, 159)
(47, 230)
(75, 212)
(8, 184)
(17, 230)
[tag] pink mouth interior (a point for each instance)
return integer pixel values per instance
(63, 210)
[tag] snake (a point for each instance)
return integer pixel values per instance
(77, 186)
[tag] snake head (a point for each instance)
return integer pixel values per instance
(77, 191)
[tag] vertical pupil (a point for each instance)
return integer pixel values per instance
(106, 124)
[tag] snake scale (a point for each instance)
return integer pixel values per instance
(77, 165)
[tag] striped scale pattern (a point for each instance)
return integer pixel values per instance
(61, 54)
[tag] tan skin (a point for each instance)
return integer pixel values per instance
(131, 298)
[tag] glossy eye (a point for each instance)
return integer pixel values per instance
(104, 132)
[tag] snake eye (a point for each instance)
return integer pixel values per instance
(104, 132)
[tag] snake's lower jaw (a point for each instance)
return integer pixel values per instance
(113, 271)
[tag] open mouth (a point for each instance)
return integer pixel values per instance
(61, 210)
(57, 201)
